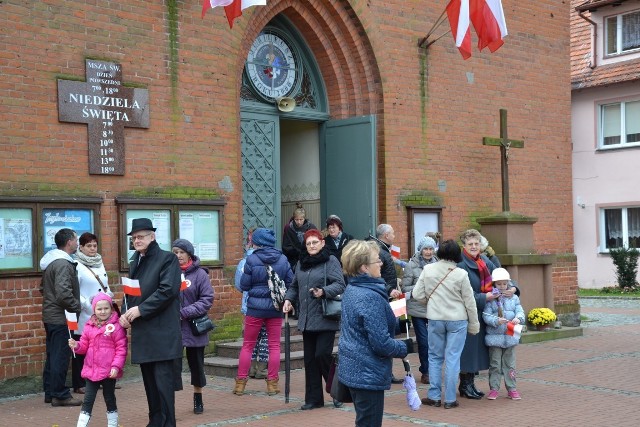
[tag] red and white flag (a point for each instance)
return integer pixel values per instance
(131, 287)
(72, 320)
(459, 19)
(395, 251)
(399, 306)
(514, 330)
(487, 17)
(184, 283)
(232, 8)
(209, 4)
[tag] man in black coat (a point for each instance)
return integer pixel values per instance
(154, 319)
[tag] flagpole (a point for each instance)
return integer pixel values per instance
(437, 24)
(73, 349)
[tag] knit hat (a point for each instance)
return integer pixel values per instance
(334, 219)
(264, 237)
(500, 274)
(185, 245)
(100, 296)
(426, 242)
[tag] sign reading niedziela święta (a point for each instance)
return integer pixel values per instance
(107, 108)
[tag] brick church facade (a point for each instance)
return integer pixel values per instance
(431, 109)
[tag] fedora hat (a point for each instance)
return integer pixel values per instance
(141, 224)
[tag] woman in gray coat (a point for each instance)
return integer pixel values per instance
(318, 275)
(417, 311)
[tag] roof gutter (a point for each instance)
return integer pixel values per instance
(594, 37)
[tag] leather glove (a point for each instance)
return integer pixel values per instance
(409, 343)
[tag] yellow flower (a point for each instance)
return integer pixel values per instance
(541, 316)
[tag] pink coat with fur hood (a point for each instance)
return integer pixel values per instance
(105, 347)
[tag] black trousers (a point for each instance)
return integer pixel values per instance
(108, 392)
(195, 359)
(77, 363)
(318, 346)
(369, 406)
(159, 385)
(54, 374)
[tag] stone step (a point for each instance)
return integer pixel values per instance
(232, 349)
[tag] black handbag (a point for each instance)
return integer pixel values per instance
(331, 307)
(339, 391)
(201, 325)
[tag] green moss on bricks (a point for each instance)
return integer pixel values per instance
(567, 308)
(172, 19)
(421, 198)
(172, 193)
(424, 74)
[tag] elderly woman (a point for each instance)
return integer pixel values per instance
(260, 307)
(336, 238)
(93, 279)
(195, 301)
(318, 275)
(488, 251)
(367, 347)
(475, 355)
(452, 312)
(292, 244)
(418, 312)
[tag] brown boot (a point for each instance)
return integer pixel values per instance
(241, 383)
(272, 386)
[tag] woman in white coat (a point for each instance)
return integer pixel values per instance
(92, 277)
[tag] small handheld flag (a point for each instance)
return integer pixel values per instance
(399, 307)
(72, 320)
(131, 287)
(395, 251)
(514, 330)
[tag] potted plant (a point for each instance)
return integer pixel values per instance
(541, 318)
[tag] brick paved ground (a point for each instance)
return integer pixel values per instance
(591, 380)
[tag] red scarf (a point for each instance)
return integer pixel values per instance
(187, 265)
(483, 271)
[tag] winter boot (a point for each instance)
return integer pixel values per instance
(198, 407)
(83, 419)
(261, 370)
(466, 389)
(272, 386)
(241, 383)
(472, 378)
(112, 419)
(253, 369)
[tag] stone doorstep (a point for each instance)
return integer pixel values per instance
(553, 334)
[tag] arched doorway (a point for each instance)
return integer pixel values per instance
(325, 159)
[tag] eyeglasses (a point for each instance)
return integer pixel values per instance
(313, 243)
(376, 262)
(139, 237)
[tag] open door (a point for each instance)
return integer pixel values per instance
(348, 173)
(260, 142)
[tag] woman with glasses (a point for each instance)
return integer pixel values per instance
(367, 346)
(318, 275)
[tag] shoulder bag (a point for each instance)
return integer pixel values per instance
(201, 325)
(331, 307)
(337, 390)
(441, 280)
(104, 288)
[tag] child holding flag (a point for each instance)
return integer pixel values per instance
(503, 316)
(104, 342)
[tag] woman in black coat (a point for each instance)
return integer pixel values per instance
(336, 238)
(292, 238)
(318, 275)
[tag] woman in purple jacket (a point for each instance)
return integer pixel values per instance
(196, 299)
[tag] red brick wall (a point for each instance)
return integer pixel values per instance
(368, 55)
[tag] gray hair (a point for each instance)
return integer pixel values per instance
(484, 243)
(383, 229)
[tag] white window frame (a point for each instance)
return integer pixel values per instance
(619, 50)
(623, 126)
(624, 224)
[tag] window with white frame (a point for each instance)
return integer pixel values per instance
(622, 33)
(620, 227)
(619, 124)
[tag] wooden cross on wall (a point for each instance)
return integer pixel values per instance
(505, 145)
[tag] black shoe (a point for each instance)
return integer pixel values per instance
(467, 391)
(395, 380)
(337, 404)
(308, 406)
(449, 405)
(47, 399)
(69, 401)
(430, 402)
(198, 407)
(478, 392)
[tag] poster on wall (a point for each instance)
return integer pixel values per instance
(161, 220)
(423, 222)
(202, 229)
(16, 250)
(53, 220)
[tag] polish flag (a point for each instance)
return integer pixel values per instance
(72, 320)
(487, 17)
(234, 9)
(131, 287)
(459, 18)
(514, 330)
(399, 307)
(184, 283)
(395, 251)
(209, 4)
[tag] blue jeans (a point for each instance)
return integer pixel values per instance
(54, 375)
(446, 341)
(369, 406)
(422, 337)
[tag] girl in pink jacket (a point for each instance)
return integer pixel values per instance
(104, 343)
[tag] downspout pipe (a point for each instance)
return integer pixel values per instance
(594, 39)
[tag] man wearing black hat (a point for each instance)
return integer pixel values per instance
(154, 319)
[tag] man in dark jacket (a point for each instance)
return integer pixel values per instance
(154, 319)
(60, 292)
